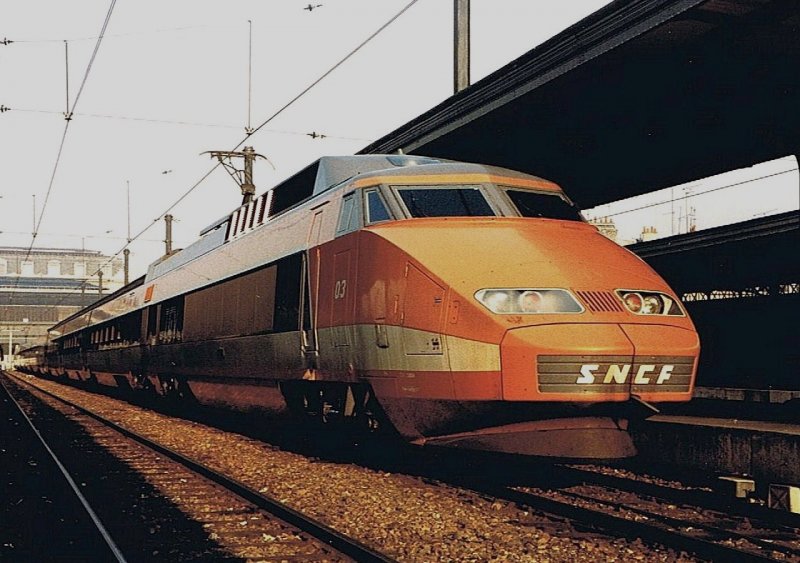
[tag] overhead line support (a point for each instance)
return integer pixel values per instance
(67, 113)
(461, 45)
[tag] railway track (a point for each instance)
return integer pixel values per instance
(585, 503)
(240, 523)
(657, 515)
(35, 480)
(781, 522)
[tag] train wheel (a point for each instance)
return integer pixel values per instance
(175, 389)
(334, 403)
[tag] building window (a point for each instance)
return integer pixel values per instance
(3, 266)
(53, 268)
(27, 268)
(80, 269)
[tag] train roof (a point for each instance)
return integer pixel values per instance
(319, 177)
(327, 172)
(450, 168)
(104, 299)
(323, 175)
(330, 171)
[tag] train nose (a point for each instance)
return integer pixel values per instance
(544, 362)
(665, 361)
(598, 362)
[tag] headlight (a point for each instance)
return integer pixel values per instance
(649, 303)
(633, 301)
(528, 301)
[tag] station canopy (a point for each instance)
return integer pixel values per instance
(638, 96)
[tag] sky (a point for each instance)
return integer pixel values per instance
(757, 191)
(170, 81)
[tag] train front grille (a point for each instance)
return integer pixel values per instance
(601, 301)
(614, 374)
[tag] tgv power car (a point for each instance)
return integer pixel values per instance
(459, 304)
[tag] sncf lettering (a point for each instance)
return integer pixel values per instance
(666, 373)
(617, 373)
(587, 375)
(645, 374)
(640, 378)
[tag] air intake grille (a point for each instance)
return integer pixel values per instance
(600, 301)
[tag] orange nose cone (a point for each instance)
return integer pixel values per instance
(544, 363)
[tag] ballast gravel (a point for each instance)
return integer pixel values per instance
(404, 517)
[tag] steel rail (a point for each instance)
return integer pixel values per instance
(617, 525)
(695, 497)
(715, 531)
(344, 544)
(112, 546)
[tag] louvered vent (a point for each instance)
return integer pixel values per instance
(601, 301)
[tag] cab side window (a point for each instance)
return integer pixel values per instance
(376, 207)
(349, 215)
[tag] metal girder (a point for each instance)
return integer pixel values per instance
(639, 96)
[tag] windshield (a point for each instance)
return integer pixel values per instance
(545, 205)
(445, 201)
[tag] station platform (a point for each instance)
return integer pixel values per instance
(768, 452)
(771, 396)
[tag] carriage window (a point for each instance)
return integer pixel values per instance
(288, 283)
(376, 207)
(170, 326)
(446, 201)
(546, 205)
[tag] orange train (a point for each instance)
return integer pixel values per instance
(459, 304)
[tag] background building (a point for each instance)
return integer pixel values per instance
(43, 286)
(606, 227)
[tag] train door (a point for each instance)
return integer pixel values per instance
(341, 308)
(308, 322)
(344, 269)
(86, 344)
(149, 330)
(310, 293)
(424, 345)
(423, 314)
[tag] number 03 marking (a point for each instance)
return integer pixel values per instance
(340, 289)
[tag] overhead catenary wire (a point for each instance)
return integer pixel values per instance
(696, 194)
(248, 128)
(285, 107)
(329, 71)
(83, 236)
(66, 130)
(183, 123)
(279, 111)
(94, 54)
(71, 111)
(292, 101)
(261, 126)
(117, 35)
